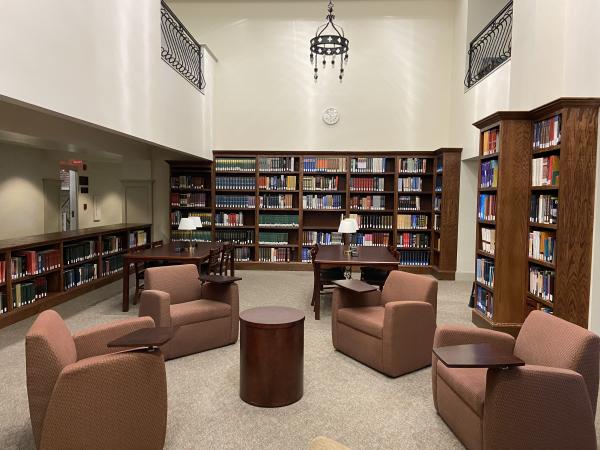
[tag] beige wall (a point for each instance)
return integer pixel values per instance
(395, 96)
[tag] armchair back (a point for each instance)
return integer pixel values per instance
(180, 282)
(545, 340)
(409, 287)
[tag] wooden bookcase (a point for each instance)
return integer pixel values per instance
(57, 292)
(350, 186)
(573, 232)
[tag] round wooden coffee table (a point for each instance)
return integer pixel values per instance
(271, 356)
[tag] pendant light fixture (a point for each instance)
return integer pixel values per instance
(329, 44)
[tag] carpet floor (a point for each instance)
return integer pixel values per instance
(342, 398)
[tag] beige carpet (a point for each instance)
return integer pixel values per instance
(343, 399)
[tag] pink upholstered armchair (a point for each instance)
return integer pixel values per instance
(390, 330)
(83, 394)
(548, 403)
(207, 314)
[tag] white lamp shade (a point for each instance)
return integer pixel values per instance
(186, 224)
(348, 226)
(197, 221)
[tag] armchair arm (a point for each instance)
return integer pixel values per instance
(92, 341)
(226, 293)
(517, 398)
(344, 298)
(128, 392)
(156, 304)
(447, 335)
(408, 330)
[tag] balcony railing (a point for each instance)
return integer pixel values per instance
(179, 49)
(491, 47)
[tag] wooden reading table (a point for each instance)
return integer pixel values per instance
(334, 256)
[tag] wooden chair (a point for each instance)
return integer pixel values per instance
(140, 267)
(227, 259)
(213, 265)
(375, 276)
(327, 275)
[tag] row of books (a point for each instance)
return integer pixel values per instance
(438, 184)
(3, 302)
(138, 238)
(490, 142)
(546, 133)
(242, 254)
(414, 221)
(437, 222)
(440, 165)
(26, 293)
(191, 235)
(205, 217)
(80, 275)
(188, 182)
(542, 245)
(222, 182)
(112, 264)
(111, 244)
(414, 257)
(275, 254)
(370, 239)
(278, 182)
(2, 271)
(410, 184)
(278, 220)
(368, 202)
(484, 271)
(194, 199)
(321, 183)
(305, 256)
(324, 164)
(320, 201)
(235, 164)
(488, 240)
(235, 201)
(235, 236)
(32, 262)
(541, 283)
(367, 184)
(487, 207)
(545, 171)
(419, 240)
(271, 237)
(367, 164)
(278, 164)
(417, 165)
(321, 237)
(223, 219)
(544, 209)
(489, 174)
(81, 251)
(276, 201)
(437, 203)
(374, 221)
(484, 302)
(409, 202)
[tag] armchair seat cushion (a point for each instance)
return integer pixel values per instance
(468, 384)
(198, 311)
(368, 319)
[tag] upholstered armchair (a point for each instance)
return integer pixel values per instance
(550, 402)
(390, 330)
(83, 394)
(207, 314)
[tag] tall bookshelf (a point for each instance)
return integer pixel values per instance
(553, 276)
(39, 272)
(291, 200)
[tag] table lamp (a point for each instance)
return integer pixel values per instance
(187, 224)
(197, 221)
(347, 227)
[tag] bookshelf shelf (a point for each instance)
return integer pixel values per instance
(549, 226)
(485, 286)
(487, 222)
(490, 156)
(540, 300)
(542, 263)
(486, 254)
(490, 189)
(544, 188)
(35, 275)
(544, 151)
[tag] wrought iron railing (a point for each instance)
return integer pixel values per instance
(179, 49)
(491, 47)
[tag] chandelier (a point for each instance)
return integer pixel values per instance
(332, 44)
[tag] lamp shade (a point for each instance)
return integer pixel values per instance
(348, 226)
(197, 221)
(187, 224)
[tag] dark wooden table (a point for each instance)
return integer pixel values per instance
(195, 255)
(271, 356)
(334, 256)
(151, 338)
(477, 355)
